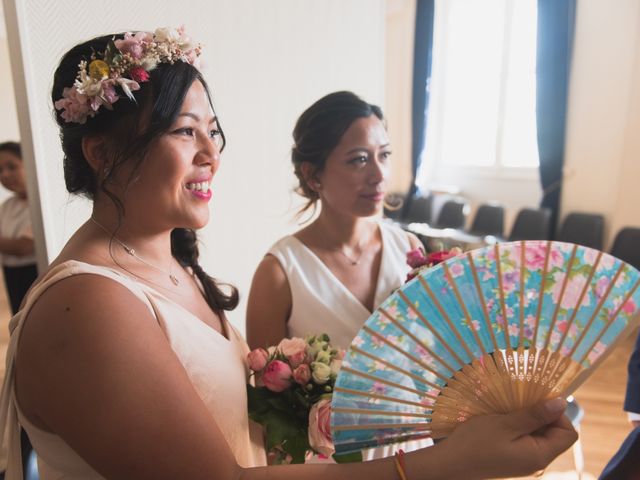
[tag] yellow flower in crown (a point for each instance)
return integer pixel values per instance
(98, 69)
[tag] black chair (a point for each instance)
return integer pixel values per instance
(583, 228)
(453, 214)
(489, 220)
(418, 210)
(626, 246)
(531, 224)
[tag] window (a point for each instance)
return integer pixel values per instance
(483, 86)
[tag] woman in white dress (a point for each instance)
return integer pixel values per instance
(121, 363)
(329, 276)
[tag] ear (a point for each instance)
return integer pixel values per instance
(93, 149)
(310, 175)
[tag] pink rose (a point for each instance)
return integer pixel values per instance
(302, 374)
(295, 349)
(139, 74)
(320, 427)
(416, 258)
(257, 359)
(277, 376)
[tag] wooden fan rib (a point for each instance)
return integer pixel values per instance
(381, 380)
(381, 413)
(610, 321)
(383, 426)
(404, 353)
(483, 303)
(418, 341)
(465, 311)
(503, 307)
(596, 312)
(576, 307)
(390, 365)
(386, 398)
(446, 318)
(565, 282)
(424, 321)
(545, 271)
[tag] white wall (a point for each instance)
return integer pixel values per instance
(266, 62)
(8, 118)
(603, 150)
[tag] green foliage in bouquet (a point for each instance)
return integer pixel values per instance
(292, 396)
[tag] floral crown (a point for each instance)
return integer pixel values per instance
(125, 63)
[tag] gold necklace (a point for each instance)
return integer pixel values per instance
(133, 253)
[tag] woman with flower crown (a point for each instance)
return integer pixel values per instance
(121, 363)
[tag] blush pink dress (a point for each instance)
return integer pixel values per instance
(214, 362)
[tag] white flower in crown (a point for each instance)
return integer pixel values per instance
(124, 64)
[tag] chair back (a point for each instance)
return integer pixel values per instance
(626, 246)
(584, 229)
(531, 224)
(489, 220)
(418, 210)
(453, 214)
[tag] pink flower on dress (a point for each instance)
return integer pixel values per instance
(320, 428)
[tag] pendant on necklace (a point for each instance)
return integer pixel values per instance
(174, 280)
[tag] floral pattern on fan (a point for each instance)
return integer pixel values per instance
(490, 331)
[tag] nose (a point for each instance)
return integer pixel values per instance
(209, 153)
(378, 173)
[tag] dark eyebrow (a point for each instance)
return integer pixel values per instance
(196, 117)
(362, 149)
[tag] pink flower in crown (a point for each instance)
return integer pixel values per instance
(277, 376)
(109, 93)
(320, 427)
(74, 105)
(295, 349)
(134, 44)
(139, 74)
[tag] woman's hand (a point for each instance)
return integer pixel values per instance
(514, 444)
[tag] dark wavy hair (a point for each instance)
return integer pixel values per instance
(12, 147)
(129, 130)
(319, 130)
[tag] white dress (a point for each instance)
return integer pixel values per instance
(320, 302)
(214, 362)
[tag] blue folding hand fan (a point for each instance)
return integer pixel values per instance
(490, 331)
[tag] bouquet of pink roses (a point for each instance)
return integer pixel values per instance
(292, 396)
